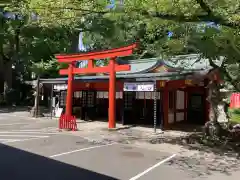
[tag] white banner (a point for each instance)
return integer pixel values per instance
(60, 87)
(138, 87)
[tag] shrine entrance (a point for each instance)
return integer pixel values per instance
(138, 108)
(196, 109)
(88, 105)
(142, 104)
(102, 99)
(89, 101)
(102, 104)
(129, 108)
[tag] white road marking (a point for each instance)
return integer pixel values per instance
(79, 150)
(12, 124)
(41, 129)
(11, 136)
(17, 135)
(34, 130)
(151, 168)
(29, 118)
(12, 115)
(28, 132)
(21, 140)
(8, 139)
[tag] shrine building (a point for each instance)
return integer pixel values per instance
(149, 92)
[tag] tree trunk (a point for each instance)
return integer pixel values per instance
(8, 76)
(35, 110)
(1, 55)
(8, 72)
(217, 112)
(1, 75)
(74, 42)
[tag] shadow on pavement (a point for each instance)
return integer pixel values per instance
(16, 164)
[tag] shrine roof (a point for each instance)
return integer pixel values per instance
(191, 61)
(140, 65)
(178, 67)
(171, 64)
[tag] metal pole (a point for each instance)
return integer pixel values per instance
(37, 97)
(51, 100)
(155, 107)
(161, 111)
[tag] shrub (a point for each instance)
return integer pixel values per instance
(234, 115)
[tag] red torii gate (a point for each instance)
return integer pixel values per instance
(112, 68)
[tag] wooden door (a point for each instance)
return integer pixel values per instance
(196, 113)
(129, 107)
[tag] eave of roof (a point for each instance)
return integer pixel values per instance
(147, 76)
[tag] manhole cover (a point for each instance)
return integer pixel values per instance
(81, 142)
(127, 147)
(133, 154)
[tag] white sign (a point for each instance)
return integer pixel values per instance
(138, 87)
(53, 102)
(145, 87)
(60, 87)
(58, 112)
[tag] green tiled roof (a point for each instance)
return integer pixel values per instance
(180, 67)
(140, 65)
(191, 61)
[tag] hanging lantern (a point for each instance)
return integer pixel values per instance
(235, 100)
(87, 85)
(162, 83)
(188, 82)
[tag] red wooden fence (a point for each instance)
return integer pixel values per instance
(235, 100)
(68, 122)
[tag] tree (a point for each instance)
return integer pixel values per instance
(164, 28)
(29, 35)
(168, 28)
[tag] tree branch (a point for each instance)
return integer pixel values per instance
(213, 64)
(208, 16)
(205, 7)
(69, 8)
(230, 79)
(223, 70)
(235, 47)
(194, 18)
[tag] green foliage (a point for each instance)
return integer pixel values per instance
(234, 115)
(150, 21)
(59, 22)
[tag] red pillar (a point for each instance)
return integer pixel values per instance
(165, 107)
(112, 95)
(69, 91)
(175, 105)
(185, 104)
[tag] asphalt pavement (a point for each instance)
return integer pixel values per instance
(35, 149)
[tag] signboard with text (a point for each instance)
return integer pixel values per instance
(138, 87)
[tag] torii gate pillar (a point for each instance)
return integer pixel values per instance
(112, 95)
(69, 90)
